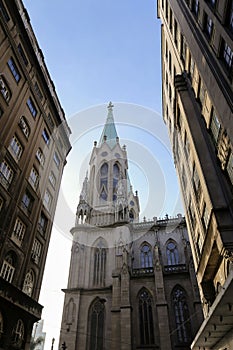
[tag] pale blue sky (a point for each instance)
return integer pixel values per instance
(96, 52)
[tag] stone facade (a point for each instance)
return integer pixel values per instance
(197, 61)
(34, 144)
(131, 285)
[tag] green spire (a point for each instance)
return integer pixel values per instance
(109, 133)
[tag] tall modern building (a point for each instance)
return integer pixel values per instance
(131, 284)
(34, 143)
(197, 73)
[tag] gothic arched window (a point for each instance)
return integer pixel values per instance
(146, 256)
(104, 181)
(96, 324)
(8, 267)
(116, 175)
(28, 283)
(18, 333)
(181, 312)
(146, 324)
(131, 215)
(172, 253)
(99, 264)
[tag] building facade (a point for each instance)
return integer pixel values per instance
(197, 72)
(34, 143)
(131, 284)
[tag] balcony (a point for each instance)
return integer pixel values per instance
(145, 271)
(175, 268)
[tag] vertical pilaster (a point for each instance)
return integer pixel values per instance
(161, 304)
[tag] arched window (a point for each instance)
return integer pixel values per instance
(8, 267)
(99, 264)
(4, 89)
(172, 253)
(131, 215)
(146, 256)
(96, 325)
(146, 324)
(18, 333)
(181, 312)
(116, 175)
(104, 182)
(28, 283)
(23, 124)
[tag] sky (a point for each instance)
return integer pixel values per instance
(96, 52)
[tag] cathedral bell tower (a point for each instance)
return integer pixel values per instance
(107, 198)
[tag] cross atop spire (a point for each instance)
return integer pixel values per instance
(109, 133)
(110, 106)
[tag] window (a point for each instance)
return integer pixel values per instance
(56, 159)
(116, 175)
(215, 126)
(38, 92)
(104, 181)
(1, 111)
(96, 325)
(52, 179)
(191, 68)
(18, 333)
(32, 107)
(18, 232)
(208, 26)
(27, 201)
(212, 3)
(45, 136)
(229, 18)
(186, 145)
(146, 256)
(36, 251)
(14, 69)
(227, 56)
(16, 148)
(230, 167)
(40, 157)
(8, 268)
(22, 54)
(6, 174)
(4, 12)
(5, 91)
(34, 178)
(99, 264)
(195, 7)
(182, 48)
(205, 217)
(201, 91)
(28, 283)
(42, 224)
(170, 19)
(47, 199)
(23, 124)
(196, 181)
(146, 324)
(181, 312)
(172, 253)
(175, 32)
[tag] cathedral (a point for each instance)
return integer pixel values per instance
(131, 284)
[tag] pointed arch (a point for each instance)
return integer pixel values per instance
(172, 252)
(181, 312)
(116, 176)
(96, 318)
(100, 257)
(146, 322)
(104, 181)
(70, 311)
(92, 183)
(131, 215)
(146, 259)
(29, 283)
(18, 333)
(8, 266)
